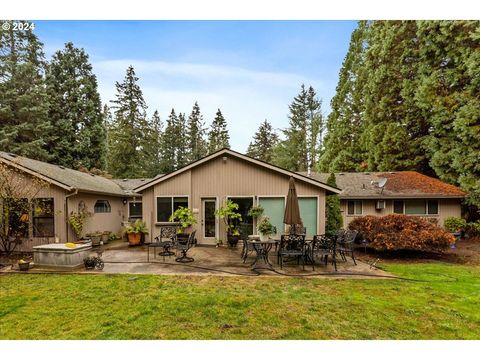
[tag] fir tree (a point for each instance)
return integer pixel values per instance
(345, 121)
(218, 136)
(25, 128)
(334, 220)
(301, 148)
(128, 133)
(197, 146)
(264, 142)
(152, 148)
(79, 137)
(449, 92)
(168, 149)
(181, 150)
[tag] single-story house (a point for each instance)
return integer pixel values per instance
(399, 192)
(206, 184)
(111, 202)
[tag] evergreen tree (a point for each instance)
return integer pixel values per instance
(334, 220)
(152, 149)
(218, 137)
(181, 150)
(301, 148)
(197, 146)
(168, 149)
(264, 142)
(25, 128)
(344, 123)
(129, 131)
(79, 135)
(449, 92)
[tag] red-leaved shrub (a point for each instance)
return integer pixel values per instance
(402, 232)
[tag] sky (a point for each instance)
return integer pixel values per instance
(251, 70)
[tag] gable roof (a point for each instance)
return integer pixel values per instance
(249, 159)
(399, 184)
(63, 177)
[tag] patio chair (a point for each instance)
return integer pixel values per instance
(346, 246)
(324, 246)
(292, 245)
(247, 249)
(168, 237)
(184, 247)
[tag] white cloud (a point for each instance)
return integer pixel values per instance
(246, 97)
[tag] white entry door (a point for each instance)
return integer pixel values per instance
(209, 221)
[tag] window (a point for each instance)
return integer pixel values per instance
(43, 218)
(102, 206)
(398, 206)
(18, 216)
(416, 207)
(166, 206)
(354, 207)
(135, 209)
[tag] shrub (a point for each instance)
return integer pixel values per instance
(402, 232)
(265, 227)
(455, 224)
(473, 229)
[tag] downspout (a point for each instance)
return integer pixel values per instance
(66, 210)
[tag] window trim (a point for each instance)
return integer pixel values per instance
(33, 217)
(355, 208)
(134, 202)
(102, 212)
(171, 197)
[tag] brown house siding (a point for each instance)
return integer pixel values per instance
(219, 179)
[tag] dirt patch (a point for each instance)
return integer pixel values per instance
(467, 252)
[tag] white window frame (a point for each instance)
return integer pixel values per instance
(102, 212)
(171, 197)
(354, 207)
(227, 197)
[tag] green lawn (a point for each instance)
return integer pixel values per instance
(182, 307)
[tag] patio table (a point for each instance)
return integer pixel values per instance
(262, 249)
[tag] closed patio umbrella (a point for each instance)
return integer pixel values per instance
(292, 210)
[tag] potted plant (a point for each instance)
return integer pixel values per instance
(228, 213)
(135, 232)
(95, 238)
(265, 227)
(23, 265)
(256, 211)
(105, 237)
(456, 226)
(184, 216)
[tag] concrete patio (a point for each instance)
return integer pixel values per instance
(120, 258)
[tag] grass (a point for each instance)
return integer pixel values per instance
(444, 306)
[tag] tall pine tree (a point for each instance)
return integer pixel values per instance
(264, 142)
(152, 148)
(79, 137)
(218, 136)
(301, 148)
(25, 127)
(181, 151)
(168, 149)
(129, 131)
(341, 143)
(197, 146)
(334, 220)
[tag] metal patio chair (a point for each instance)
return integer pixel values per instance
(346, 245)
(292, 245)
(324, 246)
(184, 247)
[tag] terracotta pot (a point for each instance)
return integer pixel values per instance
(134, 238)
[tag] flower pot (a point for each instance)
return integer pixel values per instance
(105, 237)
(24, 266)
(182, 238)
(134, 238)
(95, 239)
(233, 240)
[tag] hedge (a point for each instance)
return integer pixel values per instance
(402, 232)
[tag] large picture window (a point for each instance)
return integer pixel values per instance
(43, 218)
(135, 209)
(166, 206)
(416, 207)
(102, 206)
